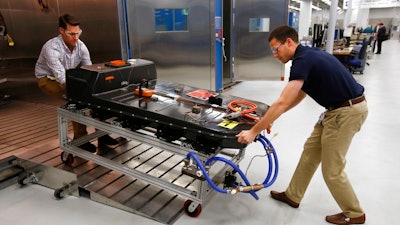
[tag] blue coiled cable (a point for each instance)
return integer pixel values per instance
(273, 167)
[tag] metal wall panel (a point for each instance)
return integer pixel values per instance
(253, 57)
(183, 57)
(30, 26)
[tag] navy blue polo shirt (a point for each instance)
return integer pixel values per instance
(326, 79)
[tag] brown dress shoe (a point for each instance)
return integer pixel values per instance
(340, 218)
(281, 196)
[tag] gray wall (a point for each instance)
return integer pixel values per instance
(183, 57)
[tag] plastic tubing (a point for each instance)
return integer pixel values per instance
(245, 112)
(207, 177)
(267, 182)
(192, 155)
(266, 143)
(235, 167)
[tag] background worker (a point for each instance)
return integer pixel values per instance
(61, 53)
(321, 76)
(380, 36)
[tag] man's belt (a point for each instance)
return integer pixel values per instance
(348, 103)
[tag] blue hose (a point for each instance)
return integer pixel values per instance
(267, 145)
(203, 170)
(235, 167)
(267, 182)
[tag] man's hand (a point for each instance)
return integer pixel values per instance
(246, 136)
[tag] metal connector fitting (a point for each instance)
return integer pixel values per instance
(233, 115)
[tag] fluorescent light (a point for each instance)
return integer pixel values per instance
(315, 7)
(294, 8)
(328, 2)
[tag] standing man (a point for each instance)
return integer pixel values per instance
(380, 36)
(321, 76)
(59, 54)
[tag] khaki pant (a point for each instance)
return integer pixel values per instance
(55, 89)
(328, 145)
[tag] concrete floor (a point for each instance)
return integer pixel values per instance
(372, 165)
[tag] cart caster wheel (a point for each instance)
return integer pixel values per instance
(59, 193)
(23, 179)
(67, 158)
(191, 209)
(29, 177)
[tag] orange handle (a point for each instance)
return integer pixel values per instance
(117, 62)
(145, 92)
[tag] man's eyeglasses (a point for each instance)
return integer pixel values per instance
(73, 34)
(275, 50)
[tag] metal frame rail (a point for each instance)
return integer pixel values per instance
(199, 195)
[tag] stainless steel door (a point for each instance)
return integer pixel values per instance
(253, 57)
(183, 56)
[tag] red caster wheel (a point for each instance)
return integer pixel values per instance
(67, 158)
(192, 209)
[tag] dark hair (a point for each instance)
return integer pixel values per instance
(283, 32)
(67, 19)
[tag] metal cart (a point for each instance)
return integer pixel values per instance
(197, 190)
(164, 124)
